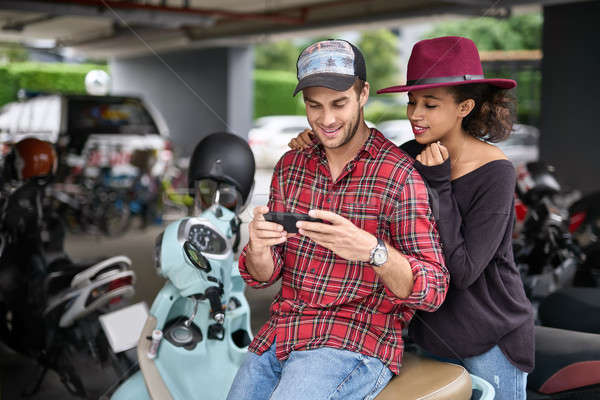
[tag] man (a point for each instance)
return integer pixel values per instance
(351, 283)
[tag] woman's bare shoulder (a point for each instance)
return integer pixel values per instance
(487, 152)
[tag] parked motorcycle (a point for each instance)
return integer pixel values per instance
(567, 360)
(584, 225)
(544, 250)
(49, 305)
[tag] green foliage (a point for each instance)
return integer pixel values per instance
(280, 56)
(52, 77)
(378, 111)
(273, 94)
(8, 86)
(10, 52)
(521, 32)
(43, 77)
(380, 50)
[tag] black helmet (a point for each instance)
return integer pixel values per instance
(222, 158)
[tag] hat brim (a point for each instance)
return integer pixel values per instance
(501, 83)
(338, 82)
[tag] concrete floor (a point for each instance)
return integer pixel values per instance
(16, 373)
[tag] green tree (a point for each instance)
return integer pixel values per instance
(10, 52)
(280, 56)
(520, 32)
(380, 50)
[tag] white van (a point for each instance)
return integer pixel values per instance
(101, 130)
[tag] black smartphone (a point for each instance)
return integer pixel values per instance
(288, 220)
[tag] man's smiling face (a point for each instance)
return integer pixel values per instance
(334, 116)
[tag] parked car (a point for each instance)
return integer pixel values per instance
(398, 131)
(270, 136)
(520, 147)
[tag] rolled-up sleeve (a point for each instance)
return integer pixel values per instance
(414, 233)
(275, 204)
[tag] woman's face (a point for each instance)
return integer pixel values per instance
(433, 114)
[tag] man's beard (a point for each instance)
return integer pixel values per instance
(348, 134)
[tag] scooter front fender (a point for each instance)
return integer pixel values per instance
(133, 388)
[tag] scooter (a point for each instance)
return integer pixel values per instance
(198, 330)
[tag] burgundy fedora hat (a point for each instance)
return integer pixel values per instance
(445, 61)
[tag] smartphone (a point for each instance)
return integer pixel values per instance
(288, 220)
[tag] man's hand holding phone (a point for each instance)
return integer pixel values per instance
(264, 234)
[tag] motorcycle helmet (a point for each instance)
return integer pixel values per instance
(225, 162)
(34, 158)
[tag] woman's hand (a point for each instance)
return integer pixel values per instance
(434, 154)
(302, 141)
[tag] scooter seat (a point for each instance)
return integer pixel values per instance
(424, 378)
(573, 308)
(564, 360)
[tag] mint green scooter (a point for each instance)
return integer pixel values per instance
(201, 312)
(198, 329)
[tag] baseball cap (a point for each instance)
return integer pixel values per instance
(333, 63)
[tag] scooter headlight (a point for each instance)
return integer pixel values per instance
(157, 251)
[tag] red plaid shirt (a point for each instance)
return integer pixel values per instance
(326, 300)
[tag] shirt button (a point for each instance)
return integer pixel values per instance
(329, 199)
(312, 270)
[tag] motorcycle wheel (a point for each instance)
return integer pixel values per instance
(115, 220)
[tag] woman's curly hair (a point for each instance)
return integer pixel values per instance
(494, 113)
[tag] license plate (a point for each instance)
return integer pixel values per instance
(124, 327)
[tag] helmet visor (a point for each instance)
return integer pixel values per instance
(209, 192)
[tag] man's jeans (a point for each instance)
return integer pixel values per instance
(319, 374)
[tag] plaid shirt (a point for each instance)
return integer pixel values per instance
(326, 300)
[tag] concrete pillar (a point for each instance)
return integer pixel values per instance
(197, 91)
(240, 90)
(570, 125)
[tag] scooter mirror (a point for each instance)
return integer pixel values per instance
(195, 256)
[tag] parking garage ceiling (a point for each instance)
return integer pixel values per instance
(106, 28)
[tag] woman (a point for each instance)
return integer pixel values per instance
(486, 322)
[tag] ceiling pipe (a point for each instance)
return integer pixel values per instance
(276, 17)
(127, 5)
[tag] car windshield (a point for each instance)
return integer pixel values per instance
(104, 115)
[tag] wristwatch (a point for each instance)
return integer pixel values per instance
(379, 254)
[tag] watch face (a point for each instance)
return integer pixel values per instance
(380, 257)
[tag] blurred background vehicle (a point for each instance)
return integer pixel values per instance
(398, 131)
(113, 150)
(270, 136)
(521, 146)
(103, 130)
